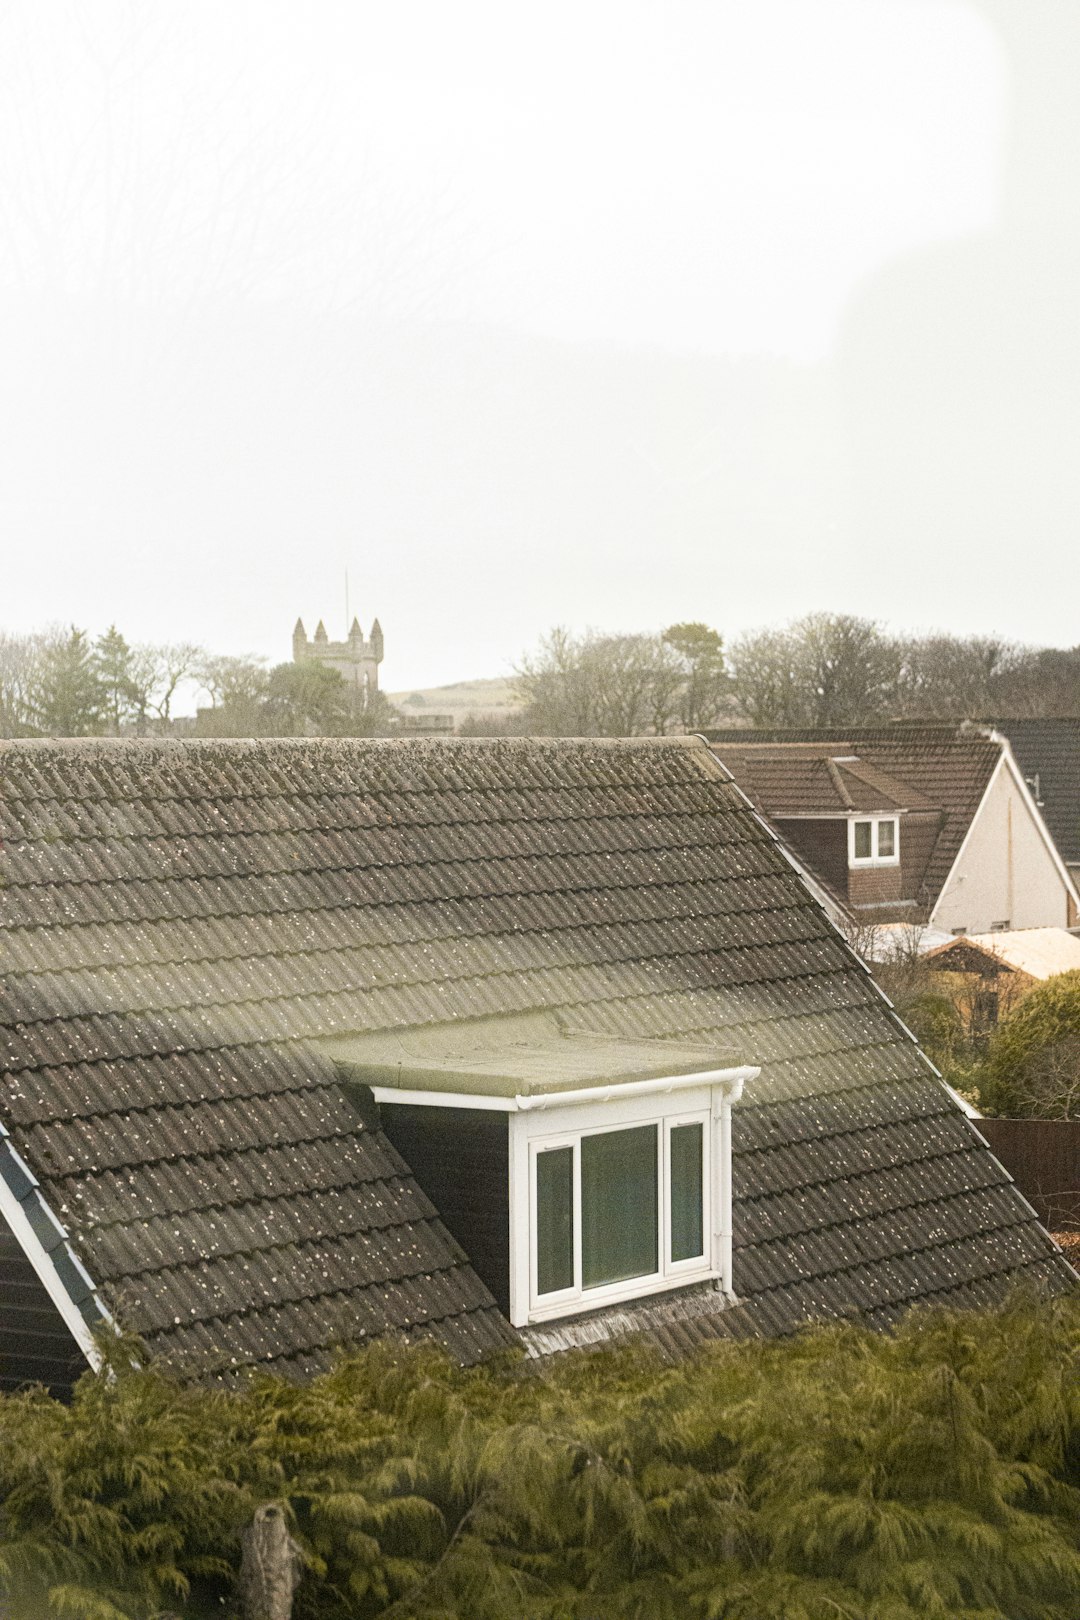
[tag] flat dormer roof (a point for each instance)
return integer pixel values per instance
(530, 1056)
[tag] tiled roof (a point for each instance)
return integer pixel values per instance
(796, 779)
(181, 919)
(940, 768)
(1050, 749)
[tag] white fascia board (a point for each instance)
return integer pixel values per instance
(997, 771)
(732, 1080)
(444, 1099)
(13, 1212)
(841, 815)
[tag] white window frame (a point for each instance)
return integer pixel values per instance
(704, 1093)
(665, 1114)
(875, 858)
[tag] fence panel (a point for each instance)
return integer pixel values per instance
(1043, 1158)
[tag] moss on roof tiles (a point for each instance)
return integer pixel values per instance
(186, 918)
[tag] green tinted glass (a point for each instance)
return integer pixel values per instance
(687, 1235)
(863, 850)
(618, 1206)
(554, 1220)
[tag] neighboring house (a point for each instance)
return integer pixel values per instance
(929, 825)
(1000, 969)
(1048, 753)
(506, 1043)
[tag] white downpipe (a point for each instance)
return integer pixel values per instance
(723, 1222)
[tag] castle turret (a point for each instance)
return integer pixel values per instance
(356, 660)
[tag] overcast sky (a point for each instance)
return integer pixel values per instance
(599, 313)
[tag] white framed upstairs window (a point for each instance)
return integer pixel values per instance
(620, 1210)
(874, 841)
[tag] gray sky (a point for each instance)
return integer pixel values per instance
(603, 313)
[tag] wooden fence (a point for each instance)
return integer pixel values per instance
(1043, 1158)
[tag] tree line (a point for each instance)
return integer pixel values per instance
(824, 669)
(61, 682)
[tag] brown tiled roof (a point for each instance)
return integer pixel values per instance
(799, 779)
(181, 919)
(940, 768)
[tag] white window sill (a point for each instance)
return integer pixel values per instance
(635, 1288)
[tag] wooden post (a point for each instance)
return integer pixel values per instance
(270, 1566)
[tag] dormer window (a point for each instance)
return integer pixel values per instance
(576, 1169)
(618, 1210)
(874, 841)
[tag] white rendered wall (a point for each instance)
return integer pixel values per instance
(1005, 870)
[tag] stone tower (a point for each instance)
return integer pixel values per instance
(356, 660)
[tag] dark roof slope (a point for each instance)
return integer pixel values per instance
(182, 918)
(798, 779)
(939, 767)
(1050, 749)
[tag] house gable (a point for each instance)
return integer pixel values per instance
(1007, 873)
(1048, 754)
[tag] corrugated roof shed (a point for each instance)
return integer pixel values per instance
(180, 919)
(1039, 952)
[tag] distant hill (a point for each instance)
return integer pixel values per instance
(495, 696)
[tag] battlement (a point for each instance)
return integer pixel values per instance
(356, 659)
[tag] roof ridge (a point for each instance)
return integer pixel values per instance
(345, 745)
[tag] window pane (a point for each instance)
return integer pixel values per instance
(686, 1190)
(886, 837)
(618, 1206)
(554, 1220)
(862, 841)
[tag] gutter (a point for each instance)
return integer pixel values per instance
(732, 1080)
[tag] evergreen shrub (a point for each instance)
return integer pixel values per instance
(840, 1475)
(1033, 1059)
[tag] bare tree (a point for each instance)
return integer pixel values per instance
(228, 678)
(594, 685)
(558, 686)
(21, 660)
(949, 677)
(826, 669)
(157, 671)
(767, 678)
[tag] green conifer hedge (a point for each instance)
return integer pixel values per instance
(839, 1475)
